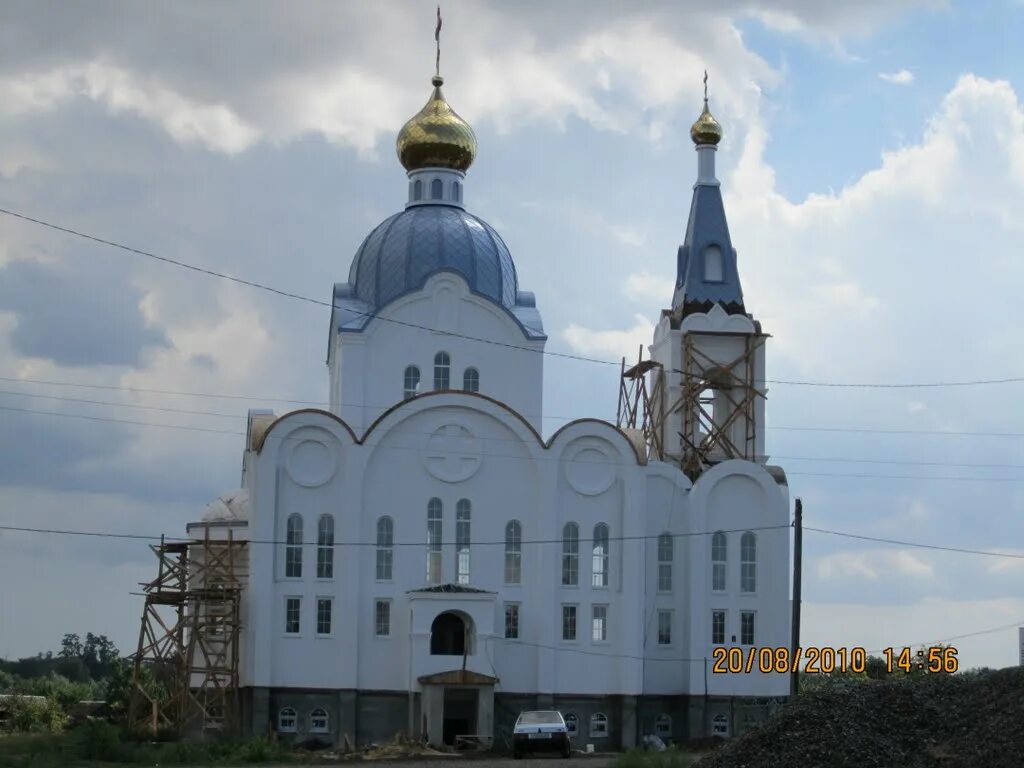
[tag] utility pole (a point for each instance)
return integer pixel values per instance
(798, 546)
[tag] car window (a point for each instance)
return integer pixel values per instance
(539, 718)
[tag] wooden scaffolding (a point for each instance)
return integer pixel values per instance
(714, 411)
(185, 674)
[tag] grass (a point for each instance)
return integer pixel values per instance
(78, 748)
(673, 757)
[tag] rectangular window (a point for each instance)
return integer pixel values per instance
(568, 622)
(748, 579)
(718, 577)
(323, 615)
(512, 621)
(665, 577)
(462, 535)
(382, 618)
(747, 628)
(599, 623)
(325, 562)
(718, 627)
(664, 627)
(292, 607)
(570, 561)
(293, 561)
(385, 561)
(434, 530)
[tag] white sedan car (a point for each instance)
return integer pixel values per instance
(540, 731)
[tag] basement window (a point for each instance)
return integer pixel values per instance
(286, 720)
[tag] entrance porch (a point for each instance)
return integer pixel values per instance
(459, 703)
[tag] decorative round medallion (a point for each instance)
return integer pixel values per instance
(312, 462)
(452, 453)
(590, 471)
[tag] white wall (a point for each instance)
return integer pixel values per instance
(367, 368)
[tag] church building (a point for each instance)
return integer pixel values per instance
(422, 559)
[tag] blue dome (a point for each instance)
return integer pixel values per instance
(406, 249)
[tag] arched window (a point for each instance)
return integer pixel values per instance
(570, 555)
(442, 370)
(663, 726)
(385, 548)
(748, 562)
(411, 384)
(417, 190)
(286, 720)
(513, 552)
(463, 515)
(456, 192)
(572, 723)
(719, 555)
(720, 725)
(665, 562)
(713, 267)
(448, 635)
(325, 547)
(318, 721)
(598, 725)
(436, 189)
(471, 380)
(434, 511)
(599, 569)
(293, 548)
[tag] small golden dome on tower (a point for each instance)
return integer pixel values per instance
(436, 137)
(706, 130)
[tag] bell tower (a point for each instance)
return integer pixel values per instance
(699, 399)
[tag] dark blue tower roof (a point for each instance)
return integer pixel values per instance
(706, 272)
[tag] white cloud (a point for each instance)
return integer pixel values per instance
(611, 344)
(873, 565)
(903, 77)
(215, 126)
(643, 287)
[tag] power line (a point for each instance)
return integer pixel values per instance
(916, 544)
(640, 537)
(835, 459)
(455, 334)
(913, 385)
(321, 403)
(298, 296)
(278, 542)
(945, 640)
(238, 433)
(502, 440)
(873, 431)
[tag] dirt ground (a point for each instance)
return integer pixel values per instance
(595, 761)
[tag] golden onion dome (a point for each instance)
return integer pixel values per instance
(706, 130)
(436, 137)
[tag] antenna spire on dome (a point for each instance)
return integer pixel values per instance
(436, 137)
(437, 41)
(706, 130)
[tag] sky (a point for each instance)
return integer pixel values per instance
(873, 172)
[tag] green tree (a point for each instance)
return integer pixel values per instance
(70, 647)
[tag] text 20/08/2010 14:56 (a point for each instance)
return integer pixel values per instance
(828, 660)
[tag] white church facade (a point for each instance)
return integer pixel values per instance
(423, 560)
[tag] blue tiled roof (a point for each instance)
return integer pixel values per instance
(706, 227)
(405, 250)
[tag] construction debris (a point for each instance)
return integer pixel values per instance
(400, 747)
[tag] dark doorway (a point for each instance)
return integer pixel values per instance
(459, 713)
(448, 635)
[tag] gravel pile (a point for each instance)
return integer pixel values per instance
(974, 719)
